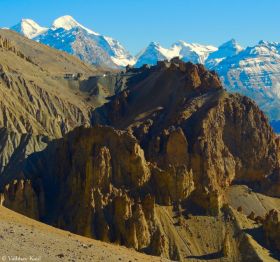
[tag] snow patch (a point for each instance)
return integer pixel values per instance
(67, 22)
(29, 28)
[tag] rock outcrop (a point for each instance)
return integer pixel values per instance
(184, 120)
(116, 188)
(271, 226)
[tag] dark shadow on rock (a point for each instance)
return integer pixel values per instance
(258, 235)
(210, 256)
(190, 208)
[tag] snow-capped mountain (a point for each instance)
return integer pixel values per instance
(68, 35)
(67, 22)
(153, 53)
(29, 28)
(255, 72)
(195, 53)
(226, 50)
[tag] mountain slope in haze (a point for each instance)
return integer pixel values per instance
(155, 177)
(68, 35)
(37, 104)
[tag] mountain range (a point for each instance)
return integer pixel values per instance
(68, 35)
(252, 71)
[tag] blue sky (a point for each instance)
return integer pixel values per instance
(137, 22)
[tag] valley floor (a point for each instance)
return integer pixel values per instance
(24, 239)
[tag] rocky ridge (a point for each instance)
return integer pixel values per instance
(193, 105)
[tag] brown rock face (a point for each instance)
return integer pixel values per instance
(184, 120)
(107, 172)
(116, 188)
(177, 148)
(222, 150)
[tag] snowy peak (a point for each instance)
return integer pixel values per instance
(195, 53)
(230, 48)
(192, 52)
(198, 48)
(156, 48)
(263, 49)
(226, 50)
(67, 22)
(231, 45)
(153, 53)
(119, 55)
(154, 45)
(29, 28)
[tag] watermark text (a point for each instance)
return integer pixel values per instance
(21, 258)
